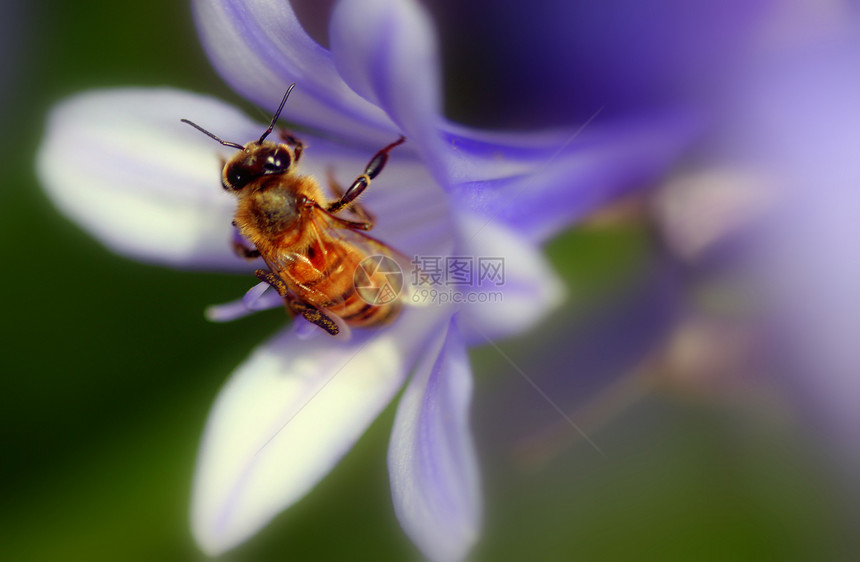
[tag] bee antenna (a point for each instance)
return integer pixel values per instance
(277, 114)
(205, 132)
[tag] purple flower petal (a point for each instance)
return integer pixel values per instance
(227, 312)
(434, 476)
(513, 288)
(287, 416)
(120, 163)
(550, 189)
(386, 51)
(481, 155)
(259, 48)
(259, 297)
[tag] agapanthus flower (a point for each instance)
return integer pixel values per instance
(120, 163)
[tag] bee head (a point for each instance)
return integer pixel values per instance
(255, 161)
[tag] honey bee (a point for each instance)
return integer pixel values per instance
(310, 250)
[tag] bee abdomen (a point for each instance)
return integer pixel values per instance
(327, 279)
(357, 312)
(331, 271)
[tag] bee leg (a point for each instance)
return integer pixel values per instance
(244, 251)
(366, 219)
(312, 315)
(376, 164)
(298, 145)
(355, 225)
(274, 281)
(295, 306)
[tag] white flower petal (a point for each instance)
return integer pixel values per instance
(434, 476)
(122, 165)
(526, 292)
(287, 416)
(259, 47)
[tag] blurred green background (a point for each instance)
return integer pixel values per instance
(109, 369)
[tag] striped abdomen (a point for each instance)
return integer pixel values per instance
(324, 276)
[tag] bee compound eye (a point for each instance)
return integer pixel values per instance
(277, 162)
(272, 163)
(236, 179)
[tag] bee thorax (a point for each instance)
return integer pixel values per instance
(273, 211)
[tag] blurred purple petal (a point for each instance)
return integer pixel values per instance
(259, 48)
(800, 123)
(812, 278)
(434, 476)
(120, 163)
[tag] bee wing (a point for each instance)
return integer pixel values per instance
(375, 252)
(282, 264)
